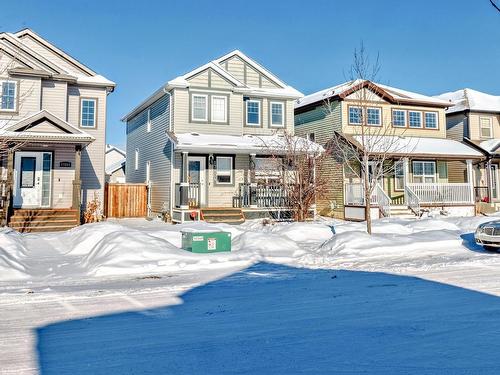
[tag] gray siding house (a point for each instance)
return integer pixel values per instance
(52, 133)
(198, 141)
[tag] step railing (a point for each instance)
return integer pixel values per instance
(412, 200)
(383, 200)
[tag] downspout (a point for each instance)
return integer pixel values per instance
(170, 116)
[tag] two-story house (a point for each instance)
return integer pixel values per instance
(428, 169)
(52, 133)
(200, 139)
(474, 117)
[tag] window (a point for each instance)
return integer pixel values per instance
(148, 124)
(28, 168)
(277, 114)
(415, 119)
(373, 116)
(8, 98)
(431, 121)
(224, 169)
(355, 115)
(311, 137)
(88, 109)
(136, 161)
(398, 118)
(219, 109)
(267, 169)
(253, 112)
(485, 128)
(399, 176)
(199, 108)
(424, 172)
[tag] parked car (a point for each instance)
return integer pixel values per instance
(488, 235)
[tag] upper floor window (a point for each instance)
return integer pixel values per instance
(88, 112)
(253, 112)
(148, 124)
(355, 115)
(431, 120)
(373, 116)
(399, 118)
(415, 119)
(199, 107)
(224, 169)
(219, 108)
(277, 114)
(485, 127)
(8, 98)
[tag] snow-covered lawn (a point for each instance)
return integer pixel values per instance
(122, 297)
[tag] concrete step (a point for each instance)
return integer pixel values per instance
(222, 215)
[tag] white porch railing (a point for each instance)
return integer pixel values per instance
(354, 194)
(411, 200)
(383, 200)
(455, 193)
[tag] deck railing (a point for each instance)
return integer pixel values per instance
(454, 193)
(193, 195)
(262, 196)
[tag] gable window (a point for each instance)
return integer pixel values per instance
(424, 172)
(8, 98)
(415, 119)
(88, 111)
(224, 169)
(485, 128)
(219, 108)
(431, 121)
(199, 108)
(277, 114)
(355, 115)
(373, 116)
(148, 124)
(399, 176)
(398, 118)
(253, 112)
(136, 159)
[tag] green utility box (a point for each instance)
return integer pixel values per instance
(206, 242)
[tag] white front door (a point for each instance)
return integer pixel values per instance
(197, 180)
(32, 179)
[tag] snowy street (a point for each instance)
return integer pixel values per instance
(418, 297)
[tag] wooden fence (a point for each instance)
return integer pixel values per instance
(126, 200)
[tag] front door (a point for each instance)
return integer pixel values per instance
(197, 181)
(32, 179)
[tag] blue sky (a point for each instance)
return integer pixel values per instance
(425, 46)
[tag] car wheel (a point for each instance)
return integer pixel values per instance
(490, 248)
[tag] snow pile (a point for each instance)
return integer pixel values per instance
(12, 254)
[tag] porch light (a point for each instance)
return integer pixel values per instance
(211, 160)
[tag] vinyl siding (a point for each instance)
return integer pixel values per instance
(321, 121)
(236, 67)
(474, 118)
(456, 127)
(54, 98)
(92, 164)
(154, 147)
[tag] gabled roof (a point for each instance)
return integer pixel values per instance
(20, 129)
(110, 169)
(472, 100)
(110, 148)
(284, 90)
(37, 64)
(391, 94)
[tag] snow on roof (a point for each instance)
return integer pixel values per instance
(285, 91)
(110, 148)
(469, 99)
(243, 144)
(491, 145)
(397, 94)
(418, 146)
(115, 166)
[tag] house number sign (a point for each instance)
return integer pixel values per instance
(65, 164)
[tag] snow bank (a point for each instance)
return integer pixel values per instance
(12, 254)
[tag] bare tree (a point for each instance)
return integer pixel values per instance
(496, 4)
(367, 148)
(294, 162)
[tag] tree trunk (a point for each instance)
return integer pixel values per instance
(366, 183)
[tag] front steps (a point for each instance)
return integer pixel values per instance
(402, 212)
(44, 220)
(222, 215)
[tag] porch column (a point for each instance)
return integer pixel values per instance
(77, 183)
(253, 184)
(7, 210)
(488, 180)
(406, 170)
(184, 186)
(470, 179)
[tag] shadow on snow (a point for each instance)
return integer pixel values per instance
(276, 319)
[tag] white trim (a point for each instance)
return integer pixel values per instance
(379, 110)
(282, 114)
(421, 120)
(148, 124)
(437, 119)
(258, 124)
(212, 107)
(206, 107)
(148, 171)
(423, 175)
(404, 115)
(136, 159)
(349, 114)
(15, 95)
(81, 112)
(224, 173)
(490, 126)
